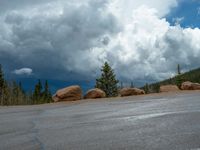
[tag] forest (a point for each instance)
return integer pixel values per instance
(12, 93)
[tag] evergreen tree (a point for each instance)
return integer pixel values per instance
(3, 90)
(37, 93)
(5, 97)
(39, 87)
(179, 81)
(155, 87)
(146, 88)
(21, 88)
(178, 78)
(19, 94)
(15, 93)
(47, 93)
(107, 82)
(158, 88)
(178, 69)
(1, 80)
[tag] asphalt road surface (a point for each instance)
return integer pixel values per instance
(154, 122)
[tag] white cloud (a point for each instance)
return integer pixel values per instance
(71, 39)
(124, 8)
(149, 48)
(23, 71)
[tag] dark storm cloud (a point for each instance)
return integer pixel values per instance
(56, 43)
(7, 5)
(71, 39)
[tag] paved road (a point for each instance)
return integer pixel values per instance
(165, 122)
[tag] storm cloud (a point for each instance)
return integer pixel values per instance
(71, 40)
(59, 41)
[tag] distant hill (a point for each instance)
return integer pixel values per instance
(193, 76)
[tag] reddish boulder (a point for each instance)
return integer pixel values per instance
(169, 88)
(131, 92)
(71, 93)
(190, 86)
(95, 93)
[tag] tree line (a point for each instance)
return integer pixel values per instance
(178, 79)
(12, 93)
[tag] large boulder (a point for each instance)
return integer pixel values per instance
(95, 93)
(131, 92)
(169, 88)
(190, 86)
(71, 93)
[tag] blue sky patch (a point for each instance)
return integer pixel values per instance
(187, 14)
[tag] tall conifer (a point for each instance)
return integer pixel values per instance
(107, 82)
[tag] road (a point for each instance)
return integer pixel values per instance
(154, 122)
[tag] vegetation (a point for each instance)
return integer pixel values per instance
(146, 88)
(41, 96)
(108, 82)
(193, 76)
(1, 79)
(178, 69)
(13, 94)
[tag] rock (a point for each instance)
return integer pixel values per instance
(169, 88)
(95, 93)
(131, 91)
(71, 93)
(190, 86)
(55, 98)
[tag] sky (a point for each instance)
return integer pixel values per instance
(70, 40)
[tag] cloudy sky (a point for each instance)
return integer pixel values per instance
(70, 40)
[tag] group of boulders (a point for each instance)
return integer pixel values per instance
(74, 93)
(184, 86)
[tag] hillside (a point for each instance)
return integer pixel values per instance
(193, 76)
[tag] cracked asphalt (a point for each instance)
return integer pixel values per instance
(169, 121)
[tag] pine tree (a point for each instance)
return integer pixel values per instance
(179, 81)
(178, 69)
(107, 82)
(1, 80)
(158, 88)
(2, 87)
(39, 86)
(37, 93)
(47, 93)
(21, 88)
(178, 78)
(5, 97)
(146, 88)
(15, 93)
